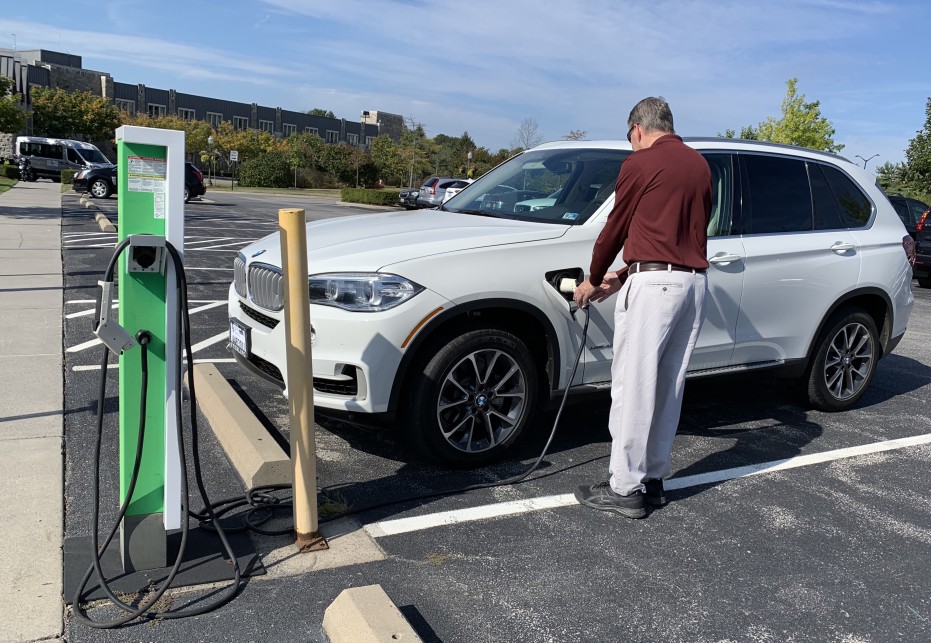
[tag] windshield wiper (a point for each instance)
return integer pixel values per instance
(481, 213)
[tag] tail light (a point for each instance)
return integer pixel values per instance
(921, 221)
(199, 175)
(433, 189)
(908, 244)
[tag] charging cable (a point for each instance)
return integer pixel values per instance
(144, 608)
(263, 503)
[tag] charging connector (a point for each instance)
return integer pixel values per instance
(147, 253)
(108, 330)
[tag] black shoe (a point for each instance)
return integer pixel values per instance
(601, 496)
(654, 495)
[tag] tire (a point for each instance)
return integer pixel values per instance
(100, 189)
(924, 282)
(473, 397)
(844, 361)
(187, 194)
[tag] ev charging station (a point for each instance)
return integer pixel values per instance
(150, 184)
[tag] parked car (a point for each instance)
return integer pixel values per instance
(49, 156)
(922, 268)
(455, 189)
(101, 182)
(455, 331)
(909, 211)
(431, 193)
(408, 199)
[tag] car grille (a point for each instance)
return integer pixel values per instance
(337, 387)
(239, 275)
(266, 367)
(265, 287)
(252, 313)
(348, 387)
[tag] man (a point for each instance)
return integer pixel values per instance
(662, 204)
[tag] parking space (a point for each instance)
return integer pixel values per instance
(785, 523)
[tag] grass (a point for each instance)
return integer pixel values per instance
(220, 185)
(6, 184)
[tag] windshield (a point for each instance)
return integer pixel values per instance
(92, 155)
(564, 186)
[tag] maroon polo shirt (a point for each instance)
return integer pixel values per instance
(662, 204)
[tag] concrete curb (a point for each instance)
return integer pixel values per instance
(253, 452)
(104, 222)
(366, 615)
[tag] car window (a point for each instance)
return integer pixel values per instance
(855, 208)
(722, 193)
(560, 185)
(917, 208)
(42, 150)
(779, 195)
(901, 208)
(827, 212)
(74, 158)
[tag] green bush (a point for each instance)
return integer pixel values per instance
(271, 170)
(67, 176)
(375, 197)
(10, 171)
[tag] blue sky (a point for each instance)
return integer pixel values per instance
(483, 66)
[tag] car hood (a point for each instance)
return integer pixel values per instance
(368, 242)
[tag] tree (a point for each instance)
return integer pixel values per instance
(747, 133)
(418, 150)
(78, 115)
(12, 116)
(576, 135)
(390, 160)
(318, 111)
(527, 135)
(918, 157)
(801, 123)
(893, 177)
(196, 133)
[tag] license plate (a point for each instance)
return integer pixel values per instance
(239, 338)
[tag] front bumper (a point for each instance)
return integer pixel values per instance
(356, 356)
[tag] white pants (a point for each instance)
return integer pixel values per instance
(656, 322)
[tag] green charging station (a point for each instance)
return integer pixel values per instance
(150, 185)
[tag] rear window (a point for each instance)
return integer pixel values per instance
(430, 182)
(780, 198)
(855, 208)
(41, 150)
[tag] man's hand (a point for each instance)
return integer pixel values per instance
(611, 284)
(583, 292)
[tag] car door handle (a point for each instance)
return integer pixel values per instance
(724, 258)
(840, 247)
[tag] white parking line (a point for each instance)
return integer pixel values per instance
(428, 521)
(96, 367)
(211, 341)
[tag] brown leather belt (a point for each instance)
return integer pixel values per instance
(648, 266)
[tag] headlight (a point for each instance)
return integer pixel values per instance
(80, 175)
(361, 292)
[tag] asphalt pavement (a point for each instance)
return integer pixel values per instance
(785, 523)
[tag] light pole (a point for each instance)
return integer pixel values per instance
(867, 160)
(213, 159)
(469, 164)
(362, 120)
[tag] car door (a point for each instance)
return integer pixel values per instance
(799, 256)
(715, 344)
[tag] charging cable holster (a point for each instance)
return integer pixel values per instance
(147, 254)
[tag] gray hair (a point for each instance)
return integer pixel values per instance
(653, 115)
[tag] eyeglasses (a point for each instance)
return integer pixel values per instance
(630, 131)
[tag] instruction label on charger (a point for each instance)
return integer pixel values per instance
(147, 174)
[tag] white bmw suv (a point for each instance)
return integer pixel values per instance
(450, 327)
